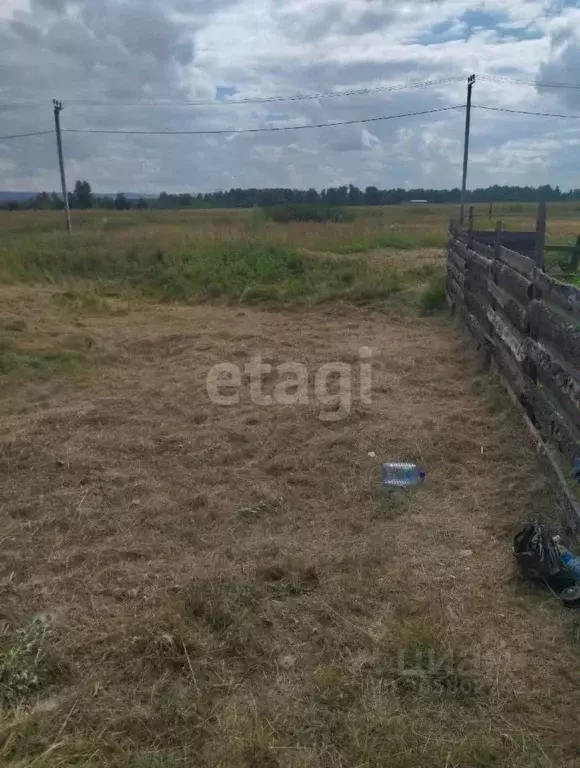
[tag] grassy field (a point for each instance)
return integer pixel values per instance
(186, 583)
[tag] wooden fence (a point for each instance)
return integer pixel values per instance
(527, 325)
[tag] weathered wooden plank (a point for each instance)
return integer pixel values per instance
(550, 421)
(476, 282)
(458, 275)
(517, 261)
(455, 291)
(511, 369)
(546, 412)
(519, 242)
(569, 506)
(512, 340)
(480, 261)
(560, 401)
(462, 249)
(469, 255)
(484, 249)
(476, 304)
(565, 297)
(457, 261)
(564, 377)
(509, 306)
(478, 333)
(553, 423)
(555, 326)
(512, 282)
(481, 337)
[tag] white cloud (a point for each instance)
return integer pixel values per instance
(126, 50)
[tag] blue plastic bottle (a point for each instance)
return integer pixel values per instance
(402, 474)
(570, 561)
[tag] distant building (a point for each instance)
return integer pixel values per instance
(416, 202)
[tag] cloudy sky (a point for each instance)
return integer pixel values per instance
(118, 54)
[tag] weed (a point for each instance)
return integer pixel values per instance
(263, 508)
(432, 297)
(27, 664)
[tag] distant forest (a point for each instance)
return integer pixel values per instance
(83, 198)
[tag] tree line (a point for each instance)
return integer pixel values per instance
(83, 198)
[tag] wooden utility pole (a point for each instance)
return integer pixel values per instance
(57, 110)
(470, 82)
(540, 235)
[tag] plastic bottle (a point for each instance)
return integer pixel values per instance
(570, 562)
(401, 474)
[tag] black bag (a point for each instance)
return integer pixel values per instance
(539, 558)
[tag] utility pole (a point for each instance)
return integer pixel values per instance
(57, 110)
(470, 82)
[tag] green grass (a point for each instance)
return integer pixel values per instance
(432, 298)
(250, 271)
(39, 355)
(398, 240)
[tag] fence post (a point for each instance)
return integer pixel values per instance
(540, 235)
(470, 230)
(490, 210)
(498, 231)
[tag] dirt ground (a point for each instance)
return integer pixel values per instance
(193, 584)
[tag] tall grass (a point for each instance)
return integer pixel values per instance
(227, 255)
(245, 270)
(286, 214)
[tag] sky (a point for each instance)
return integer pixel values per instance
(121, 55)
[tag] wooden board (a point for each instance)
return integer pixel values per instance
(512, 282)
(565, 297)
(509, 306)
(555, 326)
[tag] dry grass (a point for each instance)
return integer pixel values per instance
(415, 226)
(189, 584)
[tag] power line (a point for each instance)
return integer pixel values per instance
(295, 97)
(250, 100)
(272, 99)
(24, 135)
(292, 127)
(534, 84)
(261, 130)
(525, 112)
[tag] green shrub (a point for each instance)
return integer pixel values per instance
(432, 298)
(285, 214)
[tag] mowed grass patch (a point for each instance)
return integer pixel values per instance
(188, 584)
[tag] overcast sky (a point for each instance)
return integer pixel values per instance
(121, 51)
